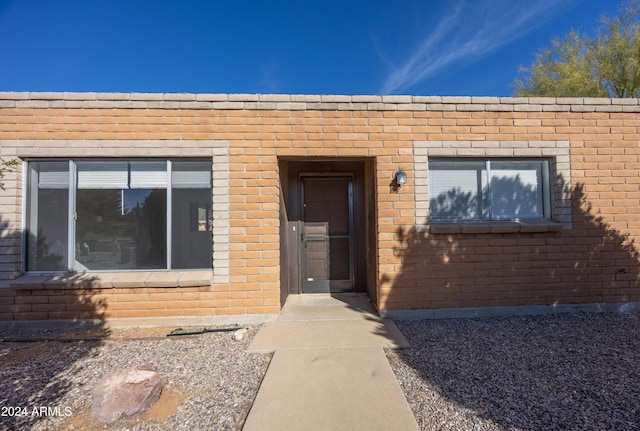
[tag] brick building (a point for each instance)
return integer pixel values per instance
(184, 208)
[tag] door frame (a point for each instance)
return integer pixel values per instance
(365, 239)
(349, 176)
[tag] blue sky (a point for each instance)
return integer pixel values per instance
(428, 47)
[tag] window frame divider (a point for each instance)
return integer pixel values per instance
(72, 217)
(487, 166)
(26, 193)
(169, 213)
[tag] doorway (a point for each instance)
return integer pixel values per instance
(329, 246)
(327, 234)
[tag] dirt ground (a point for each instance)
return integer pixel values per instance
(209, 381)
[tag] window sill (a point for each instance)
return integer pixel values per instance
(495, 226)
(110, 280)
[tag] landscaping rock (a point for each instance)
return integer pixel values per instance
(125, 393)
(239, 334)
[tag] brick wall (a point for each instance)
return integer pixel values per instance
(593, 259)
(78, 303)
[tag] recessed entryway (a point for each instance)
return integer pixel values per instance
(327, 226)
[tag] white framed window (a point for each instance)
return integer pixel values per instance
(489, 189)
(118, 215)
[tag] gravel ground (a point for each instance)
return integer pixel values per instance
(209, 380)
(565, 372)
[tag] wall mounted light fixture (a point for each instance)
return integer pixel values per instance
(401, 177)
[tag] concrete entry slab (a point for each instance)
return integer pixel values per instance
(316, 320)
(328, 333)
(329, 370)
(327, 307)
(330, 389)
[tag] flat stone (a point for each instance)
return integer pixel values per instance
(73, 281)
(195, 278)
(163, 279)
(125, 393)
(129, 280)
(104, 280)
(29, 282)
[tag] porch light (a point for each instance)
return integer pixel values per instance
(401, 177)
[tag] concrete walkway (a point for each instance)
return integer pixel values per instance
(329, 370)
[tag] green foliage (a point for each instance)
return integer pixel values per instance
(605, 65)
(6, 166)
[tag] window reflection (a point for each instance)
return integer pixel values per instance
(115, 214)
(47, 239)
(191, 239)
(121, 229)
(502, 189)
(50, 239)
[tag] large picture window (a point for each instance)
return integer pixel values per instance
(489, 189)
(115, 215)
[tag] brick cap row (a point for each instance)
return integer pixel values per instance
(312, 102)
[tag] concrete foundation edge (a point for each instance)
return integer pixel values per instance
(442, 313)
(525, 310)
(140, 322)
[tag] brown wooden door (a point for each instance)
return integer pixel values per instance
(327, 240)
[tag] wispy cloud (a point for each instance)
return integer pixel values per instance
(269, 78)
(470, 30)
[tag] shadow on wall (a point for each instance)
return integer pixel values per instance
(562, 372)
(24, 382)
(590, 263)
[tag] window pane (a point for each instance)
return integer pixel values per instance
(191, 238)
(516, 189)
(52, 175)
(47, 216)
(148, 175)
(121, 229)
(103, 175)
(191, 174)
(457, 190)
